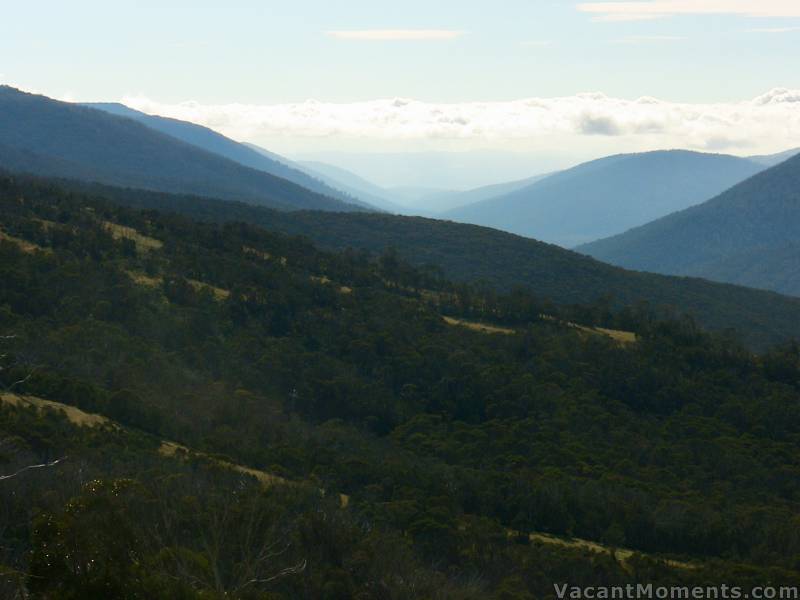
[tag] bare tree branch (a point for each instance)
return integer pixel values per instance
(29, 467)
(293, 570)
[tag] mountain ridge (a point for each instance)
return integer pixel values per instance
(63, 139)
(608, 195)
(727, 238)
(216, 143)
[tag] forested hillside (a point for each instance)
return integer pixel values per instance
(503, 262)
(609, 195)
(216, 143)
(46, 137)
(748, 235)
(453, 439)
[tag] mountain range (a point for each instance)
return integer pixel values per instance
(47, 137)
(746, 235)
(749, 235)
(216, 143)
(608, 196)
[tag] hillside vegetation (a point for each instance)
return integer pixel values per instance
(502, 262)
(353, 374)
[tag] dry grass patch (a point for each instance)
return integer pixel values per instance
(343, 289)
(75, 415)
(24, 245)
(621, 337)
(143, 242)
(475, 326)
(172, 449)
(623, 555)
(143, 279)
(153, 282)
(82, 418)
(218, 293)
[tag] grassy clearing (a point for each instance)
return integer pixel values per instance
(143, 242)
(25, 246)
(143, 279)
(218, 293)
(169, 449)
(475, 326)
(154, 282)
(621, 337)
(621, 554)
(75, 415)
(343, 289)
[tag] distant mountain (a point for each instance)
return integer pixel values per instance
(748, 235)
(46, 137)
(214, 142)
(770, 160)
(441, 169)
(448, 201)
(352, 184)
(342, 177)
(503, 261)
(408, 200)
(608, 196)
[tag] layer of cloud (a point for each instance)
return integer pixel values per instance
(395, 35)
(658, 9)
(770, 120)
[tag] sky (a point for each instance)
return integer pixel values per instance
(560, 80)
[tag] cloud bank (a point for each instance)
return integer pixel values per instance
(659, 9)
(769, 121)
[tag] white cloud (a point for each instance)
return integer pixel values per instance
(658, 9)
(535, 43)
(394, 35)
(770, 121)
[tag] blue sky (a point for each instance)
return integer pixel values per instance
(273, 52)
(322, 76)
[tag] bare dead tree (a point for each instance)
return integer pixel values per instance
(45, 465)
(241, 542)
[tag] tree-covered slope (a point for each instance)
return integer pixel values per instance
(609, 195)
(216, 143)
(503, 261)
(338, 372)
(52, 138)
(748, 235)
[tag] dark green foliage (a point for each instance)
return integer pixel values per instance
(337, 370)
(747, 235)
(503, 262)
